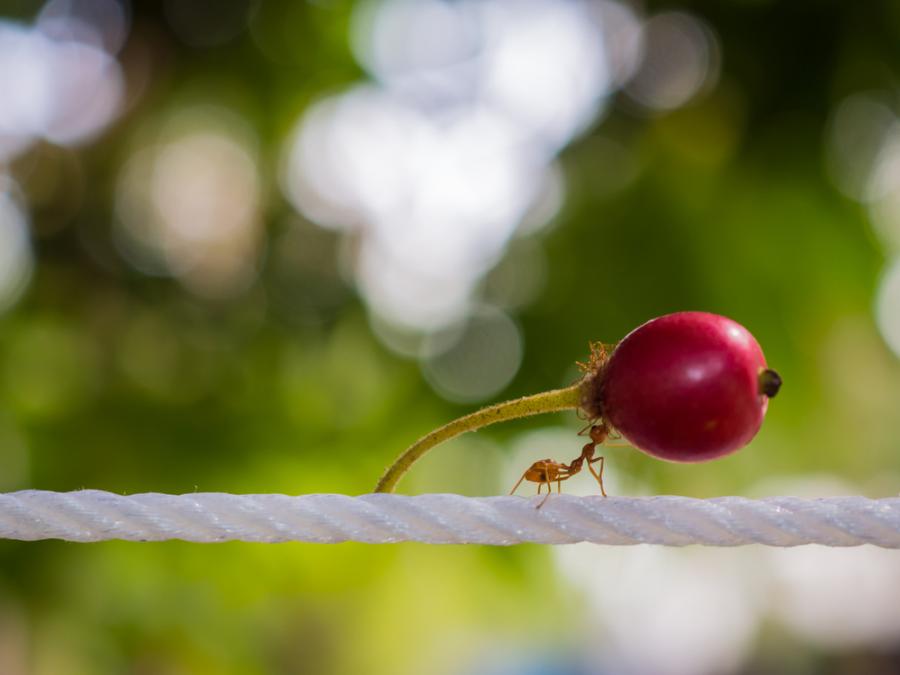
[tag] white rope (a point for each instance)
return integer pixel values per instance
(93, 515)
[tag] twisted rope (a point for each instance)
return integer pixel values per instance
(93, 515)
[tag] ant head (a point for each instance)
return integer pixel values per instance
(599, 433)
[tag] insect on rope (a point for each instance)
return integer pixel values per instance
(548, 471)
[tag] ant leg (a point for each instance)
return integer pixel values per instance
(546, 497)
(598, 476)
(559, 485)
(516, 486)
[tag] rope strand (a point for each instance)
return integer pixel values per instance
(93, 515)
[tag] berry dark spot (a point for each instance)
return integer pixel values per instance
(769, 383)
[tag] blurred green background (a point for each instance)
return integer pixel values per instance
(261, 246)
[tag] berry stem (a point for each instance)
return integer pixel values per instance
(545, 402)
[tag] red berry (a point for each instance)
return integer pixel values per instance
(685, 387)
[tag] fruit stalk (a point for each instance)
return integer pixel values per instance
(549, 401)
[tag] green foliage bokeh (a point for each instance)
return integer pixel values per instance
(115, 380)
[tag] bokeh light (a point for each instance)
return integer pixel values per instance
(59, 82)
(16, 261)
(858, 611)
(474, 361)
(437, 163)
(864, 162)
(857, 131)
(883, 189)
(435, 203)
(864, 159)
(887, 306)
(100, 23)
(699, 609)
(189, 204)
(681, 59)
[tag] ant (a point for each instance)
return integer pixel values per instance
(547, 470)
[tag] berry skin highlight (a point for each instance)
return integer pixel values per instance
(684, 387)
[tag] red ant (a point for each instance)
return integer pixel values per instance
(547, 470)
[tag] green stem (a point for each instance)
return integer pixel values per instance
(548, 401)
